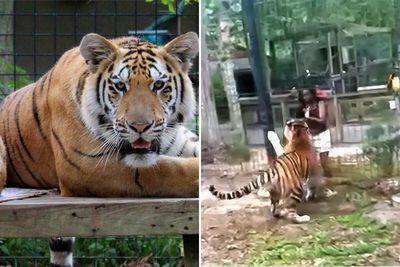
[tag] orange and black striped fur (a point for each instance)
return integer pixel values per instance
(106, 120)
(286, 179)
(316, 185)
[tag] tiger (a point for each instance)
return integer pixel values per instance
(286, 178)
(316, 185)
(107, 120)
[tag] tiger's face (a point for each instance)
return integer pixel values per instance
(141, 91)
(296, 131)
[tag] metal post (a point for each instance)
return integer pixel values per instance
(330, 60)
(260, 72)
(396, 8)
(340, 47)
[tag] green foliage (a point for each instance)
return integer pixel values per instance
(238, 150)
(21, 80)
(367, 12)
(375, 132)
(383, 153)
(171, 3)
(212, 13)
(218, 89)
(106, 251)
(300, 15)
(279, 18)
(346, 240)
(221, 101)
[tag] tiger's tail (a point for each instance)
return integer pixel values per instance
(262, 179)
(61, 251)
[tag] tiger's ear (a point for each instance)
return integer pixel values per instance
(184, 47)
(95, 49)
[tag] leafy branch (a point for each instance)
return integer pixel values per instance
(171, 3)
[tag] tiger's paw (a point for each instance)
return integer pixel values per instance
(329, 193)
(301, 219)
(310, 195)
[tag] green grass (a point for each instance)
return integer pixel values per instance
(344, 240)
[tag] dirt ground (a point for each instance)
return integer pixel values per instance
(230, 226)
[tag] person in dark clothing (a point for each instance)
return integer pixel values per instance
(314, 110)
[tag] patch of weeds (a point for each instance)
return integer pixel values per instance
(238, 151)
(354, 219)
(344, 240)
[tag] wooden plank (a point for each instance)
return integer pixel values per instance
(276, 99)
(60, 216)
(191, 250)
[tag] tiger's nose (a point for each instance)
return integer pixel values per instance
(140, 127)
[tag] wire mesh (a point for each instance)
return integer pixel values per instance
(33, 35)
(36, 33)
(110, 251)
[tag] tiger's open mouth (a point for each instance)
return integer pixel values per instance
(140, 146)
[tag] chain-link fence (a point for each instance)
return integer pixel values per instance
(97, 252)
(34, 34)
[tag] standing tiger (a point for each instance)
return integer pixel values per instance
(315, 186)
(287, 178)
(107, 121)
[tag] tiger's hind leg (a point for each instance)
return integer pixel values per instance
(296, 218)
(315, 188)
(275, 210)
(289, 211)
(3, 165)
(61, 251)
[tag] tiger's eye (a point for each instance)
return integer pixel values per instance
(120, 85)
(167, 91)
(158, 84)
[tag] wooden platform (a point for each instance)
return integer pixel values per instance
(53, 215)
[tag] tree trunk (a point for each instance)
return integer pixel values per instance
(232, 96)
(210, 135)
(226, 65)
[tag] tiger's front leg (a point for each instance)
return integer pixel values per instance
(177, 176)
(170, 177)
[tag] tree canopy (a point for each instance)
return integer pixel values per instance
(283, 17)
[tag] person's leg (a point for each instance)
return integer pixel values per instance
(324, 160)
(322, 144)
